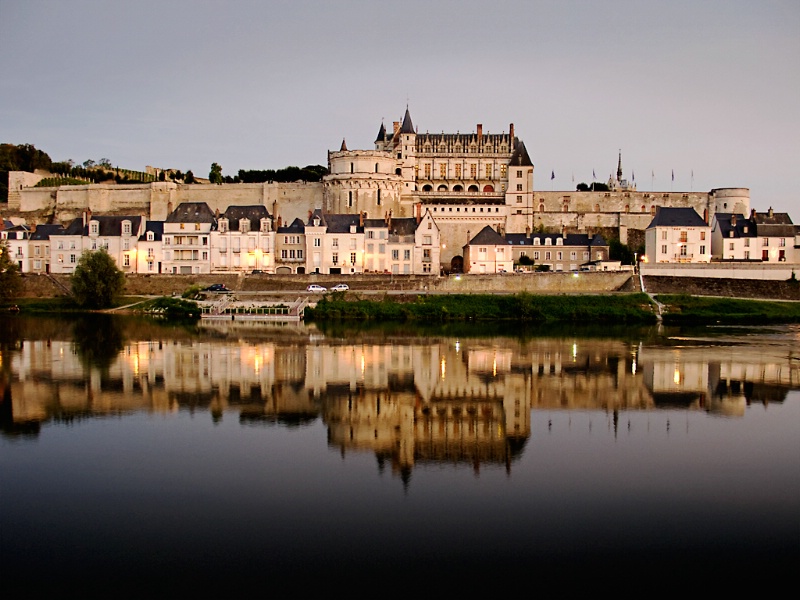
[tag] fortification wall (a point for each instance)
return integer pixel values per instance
(17, 181)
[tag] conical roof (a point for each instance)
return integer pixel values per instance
(408, 126)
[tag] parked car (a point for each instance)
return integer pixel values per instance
(340, 287)
(256, 272)
(217, 287)
(316, 288)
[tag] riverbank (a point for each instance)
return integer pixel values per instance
(686, 309)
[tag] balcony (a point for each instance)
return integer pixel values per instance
(223, 250)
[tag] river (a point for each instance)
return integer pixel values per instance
(245, 458)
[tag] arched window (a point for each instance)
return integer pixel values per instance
(441, 188)
(644, 208)
(458, 188)
(596, 208)
(541, 207)
(653, 209)
(398, 171)
(352, 168)
(627, 208)
(472, 188)
(488, 188)
(376, 167)
(427, 188)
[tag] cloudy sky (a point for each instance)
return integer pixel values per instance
(710, 87)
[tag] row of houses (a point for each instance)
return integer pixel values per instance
(195, 240)
(680, 235)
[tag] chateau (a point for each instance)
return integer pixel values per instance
(465, 181)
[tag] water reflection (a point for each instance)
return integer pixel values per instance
(405, 399)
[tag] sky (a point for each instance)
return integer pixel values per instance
(709, 90)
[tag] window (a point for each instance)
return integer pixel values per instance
(284, 254)
(427, 171)
(502, 171)
(406, 254)
(317, 242)
(547, 255)
(352, 258)
(335, 258)
(443, 171)
(488, 171)
(94, 228)
(197, 226)
(72, 258)
(126, 228)
(747, 255)
(335, 242)
(519, 174)
(730, 247)
(473, 171)
(36, 250)
(536, 255)
(395, 254)
(426, 267)
(782, 242)
(381, 248)
(559, 256)
(573, 255)
(458, 171)
(299, 254)
(664, 234)
(379, 197)
(519, 187)
(664, 249)
(350, 199)
(126, 244)
(703, 249)
(746, 242)
(426, 240)
(702, 235)
(765, 255)
(126, 260)
(765, 242)
(519, 199)
(426, 254)
(684, 237)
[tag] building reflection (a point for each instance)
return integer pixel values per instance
(409, 401)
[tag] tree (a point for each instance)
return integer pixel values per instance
(97, 280)
(10, 279)
(189, 178)
(215, 175)
(104, 162)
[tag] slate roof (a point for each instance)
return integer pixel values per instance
(191, 212)
(337, 223)
(408, 126)
(254, 212)
(487, 236)
(157, 227)
(381, 134)
(296, 226)
(571, 239)
(112, 226)
(400, 226)
(667, 216)
(43, 232)
(520, 157)
(724, 222)
(774, 224)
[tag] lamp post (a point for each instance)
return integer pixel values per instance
(635, 262)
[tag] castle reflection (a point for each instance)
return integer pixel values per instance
(407, 400)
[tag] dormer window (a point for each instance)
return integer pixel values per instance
(537, 242)
(744, 229)
(730, 233)
(244, 225)
(150, 236)
(316, 221)
(352, 228)
(223, 225)
(94, 228)
(126, 228)
(548, 242)
(264, 225)
(559, 242)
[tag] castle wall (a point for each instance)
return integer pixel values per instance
(17, 181)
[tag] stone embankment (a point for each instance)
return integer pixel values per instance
(46, 286)
(731, 288)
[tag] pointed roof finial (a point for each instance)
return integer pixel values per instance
(408, 126)
(344, 146)
(619, 166)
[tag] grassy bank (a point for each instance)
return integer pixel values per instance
(687, 309)
(61, 304)
(630, 308)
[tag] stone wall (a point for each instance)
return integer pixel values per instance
(736, 288)
(715, 270)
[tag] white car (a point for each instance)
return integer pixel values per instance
(341, 287)
(316, 288)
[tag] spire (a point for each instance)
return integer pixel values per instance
(381, 134)
(344, 146)
(408, 126)
(619, 166)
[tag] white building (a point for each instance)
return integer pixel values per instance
(187, 231)
(678, 235)
(243, 241)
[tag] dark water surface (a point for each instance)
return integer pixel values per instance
(136, 458)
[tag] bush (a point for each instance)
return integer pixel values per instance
(96, 281)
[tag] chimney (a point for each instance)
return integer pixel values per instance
(480, 134)
(389, 221)
(753, 215)
(527, 231)
(733, 220)
(361, 218)
(310, 213)
(280, 221)
(418, 210)
(511, 135)
(396, 128)
(564, 231)
(216, 214)
(84, 218)
(771, 213)
(468, 237)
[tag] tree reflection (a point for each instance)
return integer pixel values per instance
(98, 341)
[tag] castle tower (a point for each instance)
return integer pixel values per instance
(519, 193)
(405, 148)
